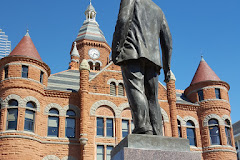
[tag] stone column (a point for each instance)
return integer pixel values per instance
(83, 93)
(171, 95)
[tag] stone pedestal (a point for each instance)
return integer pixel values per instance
(149, 147)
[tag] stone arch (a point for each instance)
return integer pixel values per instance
(12, 96)
(112, 80)
(97, 61)
(68, 158)
(54, 105)
(90, 60)
(226, 117)
(180, 119)
(165, 115)
(33, 99)
(120, 81)
(72, 107)
(212, 116)
(100, 103)
(187, 118)
(51, 157)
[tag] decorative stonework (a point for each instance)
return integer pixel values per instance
(29, 79)
(12, 96)
(187, 118)
(180, 119)
(100, 103)
(56, 106)
(33, 99)
(165, 115)
(51, 157)
(226, 117)
(72, 107)
(112, 80)
(212, 116)
(25, 64)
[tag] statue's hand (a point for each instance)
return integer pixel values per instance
(167, 74)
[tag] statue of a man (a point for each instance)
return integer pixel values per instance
(141, 25)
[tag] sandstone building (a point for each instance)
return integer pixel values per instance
(83, 112)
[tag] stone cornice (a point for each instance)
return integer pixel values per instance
(201, 85)
(84, 42)
(60, 94)
(25, 59)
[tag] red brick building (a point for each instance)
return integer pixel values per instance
(82, 112)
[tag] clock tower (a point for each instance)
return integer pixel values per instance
(90, 44)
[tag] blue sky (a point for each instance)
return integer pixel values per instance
(208, 27)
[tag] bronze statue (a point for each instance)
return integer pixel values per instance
(140, 26)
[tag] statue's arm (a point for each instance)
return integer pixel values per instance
(122, 26)
(166, 45)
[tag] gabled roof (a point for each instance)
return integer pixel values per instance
(204, 73)
(68, 80)
(26, 48)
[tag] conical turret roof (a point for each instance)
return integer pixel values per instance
(204, 73)
(75, 51)
(26, 48)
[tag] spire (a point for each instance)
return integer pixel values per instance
(26, 48)
(90, 29)
(90, 12)
(204, 73)
(75, 51)
(27, 34)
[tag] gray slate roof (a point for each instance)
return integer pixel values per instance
(236, 128)
(90, 30)
(182, 99)
(68, 80)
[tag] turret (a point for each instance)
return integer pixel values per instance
(74, 64)
(24, 66)
(211, 93)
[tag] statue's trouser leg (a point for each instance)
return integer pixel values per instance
(133, 78)
(151, 92)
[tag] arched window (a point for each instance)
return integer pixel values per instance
(12, 115)
(214, 132)
(70, 124)
(91, 65)
(191, 133)
(179, 129)
(228, 132)
(29, 116)
(13, 102)
(113, 88)
(97, 66)
(120, 89)
(53, 122)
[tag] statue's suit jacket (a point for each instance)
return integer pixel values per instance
(140, 26)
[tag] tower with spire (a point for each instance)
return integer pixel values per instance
(91, 43)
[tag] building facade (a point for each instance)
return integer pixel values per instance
(5, 45)
(236, 133)
(82, 113)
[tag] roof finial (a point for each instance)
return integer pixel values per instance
(27, 34)
(202, 58)
(90, 1)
